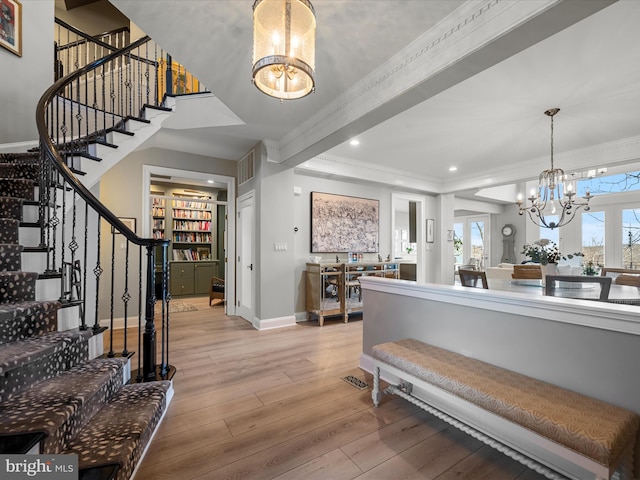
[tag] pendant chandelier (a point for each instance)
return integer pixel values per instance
(284, 47)
(555, 196)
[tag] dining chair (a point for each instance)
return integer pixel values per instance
(624, 279)
(622, 276)
(470, 278)
(526, 272)
(578, 286)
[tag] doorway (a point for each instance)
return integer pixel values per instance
(471, 241)
(226, 243)
(408, 233)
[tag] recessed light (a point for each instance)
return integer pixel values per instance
(453, 169)
(355, 142)
(209, 181)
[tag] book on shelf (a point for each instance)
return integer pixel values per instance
(191, 255)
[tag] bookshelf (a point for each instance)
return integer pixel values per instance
(189, 221)
(158, 217)
(191, 228)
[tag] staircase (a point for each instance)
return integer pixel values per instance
(59, 394)
(55, 397)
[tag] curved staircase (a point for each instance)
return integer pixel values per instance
(57, 396)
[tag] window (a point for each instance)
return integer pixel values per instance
(548, 233)
(593, 225)
(631, 238)
(623, 182)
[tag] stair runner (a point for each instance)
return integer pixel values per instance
(50, 391)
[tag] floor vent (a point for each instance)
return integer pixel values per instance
(356, 382)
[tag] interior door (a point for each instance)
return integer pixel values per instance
(245, 260)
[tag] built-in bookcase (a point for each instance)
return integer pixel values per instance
(188, 220)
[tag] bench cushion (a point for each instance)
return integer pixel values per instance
(591, 427)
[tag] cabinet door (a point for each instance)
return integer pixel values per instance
(181, 270)
(181, 278)
(203, 274)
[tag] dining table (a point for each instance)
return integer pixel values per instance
(624, 294)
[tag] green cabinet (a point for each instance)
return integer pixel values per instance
(202, 277)
(191, 278)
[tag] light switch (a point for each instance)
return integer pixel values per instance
(279, 247)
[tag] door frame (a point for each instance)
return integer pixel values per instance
(230, 237)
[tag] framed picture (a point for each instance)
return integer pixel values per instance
(11, 26)
(129, 222)
(430, 232)
(343, 224)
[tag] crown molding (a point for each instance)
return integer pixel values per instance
(620, 152)
(381, 94)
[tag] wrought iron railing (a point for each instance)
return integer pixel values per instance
(79, 233)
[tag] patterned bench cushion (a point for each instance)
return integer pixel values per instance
(594, 428)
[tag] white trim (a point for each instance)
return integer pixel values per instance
(601, 315)
(278, 322)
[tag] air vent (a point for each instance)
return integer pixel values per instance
(245, 168)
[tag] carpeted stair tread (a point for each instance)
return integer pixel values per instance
(28, 170)
(33, 360)
(27, 319)
(17, 187)
(9, 230)
(17, 286)
(10, 257)
(61, 406)
(11, 207)
(22, 352)
(19, 157)
(120, 431)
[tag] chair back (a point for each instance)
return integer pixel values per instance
(624, 279)
(470, 278)
(526, 272)
(575, 286)
(622, 276)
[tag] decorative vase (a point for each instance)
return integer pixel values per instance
(548, 269)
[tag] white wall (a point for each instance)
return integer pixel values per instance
(24, 79)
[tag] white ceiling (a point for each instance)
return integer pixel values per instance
(423, 85)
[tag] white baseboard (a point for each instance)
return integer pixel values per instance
(278, 322)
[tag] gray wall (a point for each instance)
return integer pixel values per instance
(121, 191)
(601, 363)
(25, 78)
(302, 220)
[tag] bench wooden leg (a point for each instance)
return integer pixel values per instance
(375, 392)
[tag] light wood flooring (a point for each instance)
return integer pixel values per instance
(273, 405)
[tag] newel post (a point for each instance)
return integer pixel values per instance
(149, 336)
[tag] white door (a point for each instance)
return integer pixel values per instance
(475, 240)
(244, 264)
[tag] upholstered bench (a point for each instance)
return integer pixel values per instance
(548, 428)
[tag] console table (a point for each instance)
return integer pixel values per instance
(334, 288)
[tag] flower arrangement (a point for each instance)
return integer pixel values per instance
(545, 251)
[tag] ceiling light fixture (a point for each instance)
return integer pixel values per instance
(453, 169)
(355, 142)
(555, 195)
(284, 48)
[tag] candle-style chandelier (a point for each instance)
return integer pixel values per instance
(555, 196)
(284, 47)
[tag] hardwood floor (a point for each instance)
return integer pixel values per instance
(273, 405)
